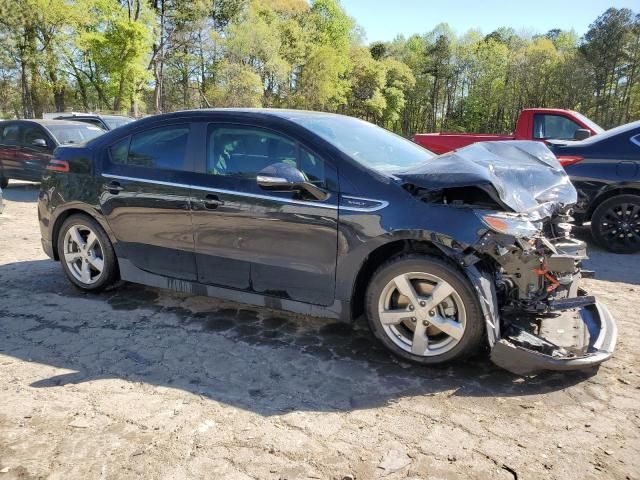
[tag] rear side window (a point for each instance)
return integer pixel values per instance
(11, 135)
(163, 148)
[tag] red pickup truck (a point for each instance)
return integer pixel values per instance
(533, 124)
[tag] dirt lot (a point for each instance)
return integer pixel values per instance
(138, 382)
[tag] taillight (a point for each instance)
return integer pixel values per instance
(566, 160)
(58, 166)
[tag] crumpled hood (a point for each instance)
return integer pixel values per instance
(523, 176)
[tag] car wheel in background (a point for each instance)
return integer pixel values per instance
(424, 310)
(615, 224)
(86, 254)
(4, 181)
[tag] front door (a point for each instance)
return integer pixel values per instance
(36, 150)
(281, 244)
(145, 199)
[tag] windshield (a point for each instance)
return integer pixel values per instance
(67, 134)
(590, 123)
(366, 143)
(115, 122)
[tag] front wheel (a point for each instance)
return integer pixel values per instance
(615, 224)
(86, 254)
(424, 310)
(4, 182)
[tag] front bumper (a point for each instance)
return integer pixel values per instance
(573, 340)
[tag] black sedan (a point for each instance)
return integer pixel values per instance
(331, 216)
(605, 170)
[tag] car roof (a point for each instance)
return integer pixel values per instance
(276, 112)
(91, 115)
(44, 122)
(607, 134)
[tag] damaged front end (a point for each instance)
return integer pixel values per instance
(547, 321)
(525, 266)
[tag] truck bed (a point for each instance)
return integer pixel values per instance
(445, 142)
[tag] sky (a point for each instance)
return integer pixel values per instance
(384, 19)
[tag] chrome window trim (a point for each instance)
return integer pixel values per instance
(382, 203)
(221, 190)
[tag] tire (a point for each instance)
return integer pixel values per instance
(461, 307)
(614, 217)
(4, 182)
(77, 257)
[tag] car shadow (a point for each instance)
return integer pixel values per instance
(255, 359)
(21, 192)
(609, 266)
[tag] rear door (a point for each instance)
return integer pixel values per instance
(9, 146)
(281, 244)
(145, 199)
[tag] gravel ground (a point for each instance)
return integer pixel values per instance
(143, 383)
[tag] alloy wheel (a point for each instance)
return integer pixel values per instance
(620, 225)
(83, 254)
(422, 314)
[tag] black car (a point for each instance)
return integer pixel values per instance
(331, 216)
(105, 122)
(605, 170)
(26, 146)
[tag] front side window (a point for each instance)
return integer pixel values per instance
(32, 133)
(243, 152)
(554, 127)
(163, 148)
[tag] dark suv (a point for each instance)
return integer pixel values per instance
(106, 122)
(331, 216)
(26, 146)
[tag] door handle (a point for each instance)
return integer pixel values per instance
(212, 201)
(113, 187)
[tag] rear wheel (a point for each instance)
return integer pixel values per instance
(86, 254)
(424, 310)
(615, 224)
(4, 182)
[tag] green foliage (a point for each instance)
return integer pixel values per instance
(118, 45)
(144, 56)
(239, 86)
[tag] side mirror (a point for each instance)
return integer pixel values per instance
(39, 142)
(282, 177)
(581, 134)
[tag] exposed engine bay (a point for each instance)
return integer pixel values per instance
(526, 265)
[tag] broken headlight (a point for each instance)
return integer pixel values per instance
(511, 225)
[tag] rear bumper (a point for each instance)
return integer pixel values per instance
(523, 353)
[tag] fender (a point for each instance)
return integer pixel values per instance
(610, 190)
(59, 214)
